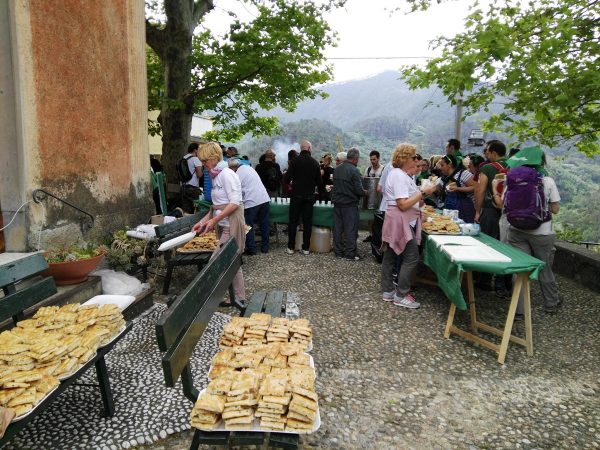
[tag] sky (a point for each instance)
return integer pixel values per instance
(367, 28)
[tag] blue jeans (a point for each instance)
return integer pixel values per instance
(260, 214)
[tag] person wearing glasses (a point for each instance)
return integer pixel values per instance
(226, 215)
(401, 234)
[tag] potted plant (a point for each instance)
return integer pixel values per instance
(72, 265)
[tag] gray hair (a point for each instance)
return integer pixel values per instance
(233, 163)
(353, 154)
(341, 156)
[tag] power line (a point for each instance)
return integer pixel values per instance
(382, 57)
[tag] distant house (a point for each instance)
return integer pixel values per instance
(200, 125)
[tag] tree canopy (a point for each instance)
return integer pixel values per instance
(537, 59)
(274, 59)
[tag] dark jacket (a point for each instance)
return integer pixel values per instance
(347, 185)
(264, 168)
(305, 175)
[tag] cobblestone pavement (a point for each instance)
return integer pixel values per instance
(387, 379)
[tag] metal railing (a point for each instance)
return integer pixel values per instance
(40, 195)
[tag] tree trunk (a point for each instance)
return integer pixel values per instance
(173, 45)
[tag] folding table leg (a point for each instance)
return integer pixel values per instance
(104, 382)
(450, 320)
(527, 305)
(510, 318)
(472, 308)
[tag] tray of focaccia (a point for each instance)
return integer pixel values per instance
(283, 400)
(261, 328)
(206, 243)
(438, 224)
(51, 346)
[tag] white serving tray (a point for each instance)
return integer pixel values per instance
(460, 253)
(122, 301)
(441, 239)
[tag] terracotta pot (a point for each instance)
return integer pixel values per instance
(72, 272)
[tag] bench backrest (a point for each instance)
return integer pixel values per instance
(181, 326)
(178, 227)
(16, 300)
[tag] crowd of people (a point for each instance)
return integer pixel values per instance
(479, 187)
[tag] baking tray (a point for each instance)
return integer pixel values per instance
(255, 427)
(22, 416)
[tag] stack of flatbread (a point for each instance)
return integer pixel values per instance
(439, 224)
(233, 333)
(52, 345)
(279, 330)
(205, 243)
(256, 329)
(300, 332)
(261, 328)
(282, 400)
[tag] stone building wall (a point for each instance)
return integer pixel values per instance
(80, 118)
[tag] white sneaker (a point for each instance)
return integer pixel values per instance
(407, 302)
(305, 252)
(289, 251)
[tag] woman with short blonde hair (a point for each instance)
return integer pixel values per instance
(401, 233)
(402, 153)
(226, 215)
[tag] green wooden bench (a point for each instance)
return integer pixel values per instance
(172, 230)
(23, 289)
(181, 326)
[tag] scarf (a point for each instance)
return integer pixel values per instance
(217, 169)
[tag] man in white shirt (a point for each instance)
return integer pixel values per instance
(375, 169)
(256, 205)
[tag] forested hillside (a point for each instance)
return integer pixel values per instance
(379, 112)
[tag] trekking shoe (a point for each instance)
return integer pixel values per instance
(407, 302)
(305, 252)
(555, 308)
(389, 296)
(289, 251)
(352, 258)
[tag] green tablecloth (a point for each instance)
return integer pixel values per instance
(322, 214)
(448, 272)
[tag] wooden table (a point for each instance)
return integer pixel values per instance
(450, 272)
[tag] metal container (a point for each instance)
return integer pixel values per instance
(372, 199)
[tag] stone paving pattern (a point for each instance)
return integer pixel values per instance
(387, 378)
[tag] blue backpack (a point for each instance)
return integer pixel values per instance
(525, 203)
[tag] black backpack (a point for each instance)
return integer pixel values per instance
(183, 170)
(272, 183)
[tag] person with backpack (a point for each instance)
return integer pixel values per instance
(530, 199)
(189, 170)
(486, 213)
(270, 173)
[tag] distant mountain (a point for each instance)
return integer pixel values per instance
(352, 101)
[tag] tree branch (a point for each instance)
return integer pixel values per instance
(155, 38)
(201, 7)
(229, 85)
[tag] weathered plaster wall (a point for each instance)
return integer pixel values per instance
(80, 94)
